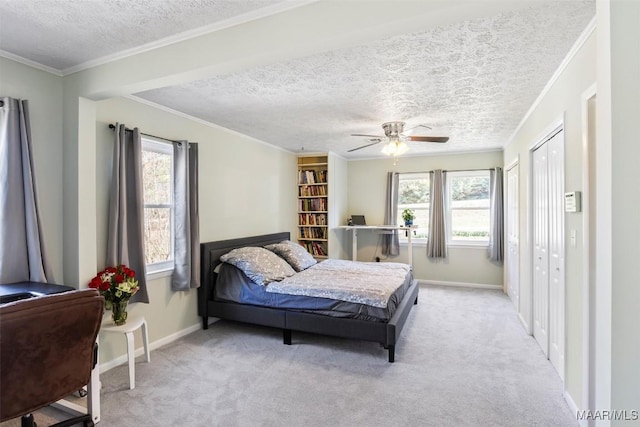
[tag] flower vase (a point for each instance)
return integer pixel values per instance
(119, 312)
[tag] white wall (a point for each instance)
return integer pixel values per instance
(367, 189)
(563, 100)
(44, 93)
(618, 225)
(246, 188)
(338, 206)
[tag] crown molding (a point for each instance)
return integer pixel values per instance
(30, 63)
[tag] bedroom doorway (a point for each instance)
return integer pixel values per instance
(513, 233)
(548, 246)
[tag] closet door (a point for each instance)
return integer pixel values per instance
(548, 249)
(513, 250)
(540, 208)
(555, 154)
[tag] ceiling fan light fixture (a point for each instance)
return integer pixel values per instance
(395, 148)
(401, 148)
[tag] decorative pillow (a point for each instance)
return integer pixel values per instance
(294, 254)
(259, 264)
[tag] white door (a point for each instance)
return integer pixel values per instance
(513, 251)
(555, 154)
(540, 248)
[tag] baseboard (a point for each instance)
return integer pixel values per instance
(525, 325)
(121, 360)
(459, 284)
(574, 408)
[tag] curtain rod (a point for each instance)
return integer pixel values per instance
(450, 170)
(113, 127)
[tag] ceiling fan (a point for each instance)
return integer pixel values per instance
(395, 139)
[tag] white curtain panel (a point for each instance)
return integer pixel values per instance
(22, 253)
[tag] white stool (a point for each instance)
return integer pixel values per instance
(133, 322)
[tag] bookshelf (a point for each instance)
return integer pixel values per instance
(313, 204)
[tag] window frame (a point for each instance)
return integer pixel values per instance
(157, 146)
(402, 237)
(451, 241)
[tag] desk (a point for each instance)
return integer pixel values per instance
(354, 243)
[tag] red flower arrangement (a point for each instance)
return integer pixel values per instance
(116, 284)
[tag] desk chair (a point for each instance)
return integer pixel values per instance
(47, 351)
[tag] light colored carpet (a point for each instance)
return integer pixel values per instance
(463, 360)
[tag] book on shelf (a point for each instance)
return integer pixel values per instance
(312, 176)
(312, 219)
(313, 190)
(315, 248)
(312, 232)
(319, 204)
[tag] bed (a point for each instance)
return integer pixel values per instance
(371, 325)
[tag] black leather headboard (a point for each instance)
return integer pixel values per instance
(211, 252)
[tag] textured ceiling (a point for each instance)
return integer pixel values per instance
(65, 33)
(472, 81)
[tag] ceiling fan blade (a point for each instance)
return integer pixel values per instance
(428, 138)
(365, 146)
(368, 136)
(415, 127)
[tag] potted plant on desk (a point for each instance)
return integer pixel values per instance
(408, 216)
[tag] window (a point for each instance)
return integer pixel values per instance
(157, 181)
(468, 207)
(413, 193)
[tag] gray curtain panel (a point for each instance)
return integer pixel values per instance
(496, 236)
(186, 272)
(22, 253)
(390, 241)
(437, 242)
(125, 241)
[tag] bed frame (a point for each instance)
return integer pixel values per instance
(386, 333)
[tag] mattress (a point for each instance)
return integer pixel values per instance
(232, 285)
